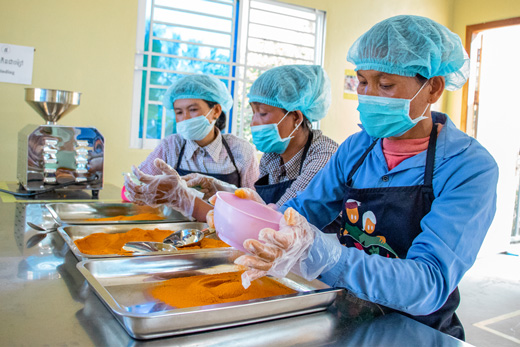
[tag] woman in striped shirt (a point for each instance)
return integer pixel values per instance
(285, 100)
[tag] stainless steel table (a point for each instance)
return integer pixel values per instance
(44, 300)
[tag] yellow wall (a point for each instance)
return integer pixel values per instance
(89, 46)
(85, 46)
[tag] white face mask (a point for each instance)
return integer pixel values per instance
(195, 128)
(267, 139)
(387, 117)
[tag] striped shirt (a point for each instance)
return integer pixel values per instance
(212, 158)
(320, 151)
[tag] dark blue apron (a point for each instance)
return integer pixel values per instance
(271, 193)
(385, 221)
(232, 178)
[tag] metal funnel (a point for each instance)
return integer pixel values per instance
(51, 104)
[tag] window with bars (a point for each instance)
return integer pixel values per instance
(234, 41)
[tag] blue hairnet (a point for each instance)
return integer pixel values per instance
(198, 87)
(411, 45)
(304, 88)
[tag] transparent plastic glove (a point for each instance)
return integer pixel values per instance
(210, 216)
(207, 184)
(167, 188)
(251, 194)
(281, 249)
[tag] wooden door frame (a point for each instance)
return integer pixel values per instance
(471, 32)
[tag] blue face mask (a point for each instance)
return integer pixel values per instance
(195, 128)
(386, 117)
(267, 138)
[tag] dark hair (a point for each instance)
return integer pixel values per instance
(421, 79)
(221, 120)
(306, 123)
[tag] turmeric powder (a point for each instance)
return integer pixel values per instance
(104, 244)
(215, 289)
(141, 216)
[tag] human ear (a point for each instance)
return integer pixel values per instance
(217, 110)
(298, 117)
(437, 84)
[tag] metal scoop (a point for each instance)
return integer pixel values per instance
(37, 238)
(180, 238)
(148, 246)
(187, 237)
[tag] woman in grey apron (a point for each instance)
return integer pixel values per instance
(200, 104)
(417, 194)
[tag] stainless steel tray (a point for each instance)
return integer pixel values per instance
(122, 285)
(71, 233)
(78, 213)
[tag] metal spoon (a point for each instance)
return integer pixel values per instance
(187, 237)
(147, 246)
(37, 238)
(180, 238)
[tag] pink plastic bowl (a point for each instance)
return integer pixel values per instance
(237, 220)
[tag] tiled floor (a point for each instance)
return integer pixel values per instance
(490, 300)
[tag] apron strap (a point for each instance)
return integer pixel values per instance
(179, 158)
(230, 154)
(305, 150)
(430, 157)
(228, 150)
(359, 162)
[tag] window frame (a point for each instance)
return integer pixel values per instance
(238, 62)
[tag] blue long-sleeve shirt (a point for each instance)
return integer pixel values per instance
(464, 183)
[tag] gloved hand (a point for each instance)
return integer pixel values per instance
(243, 193)
(297, 246)
(207, 184)
(249, 194)
(167, 188)
(210, 216)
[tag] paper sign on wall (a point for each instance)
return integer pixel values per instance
(350, 85)
(16, 63)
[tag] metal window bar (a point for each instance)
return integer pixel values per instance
(279, 55)
(242, 102)
(151, 54)
(278, 41)
(282, 28)
(177, 72)
(147, 89)
(166, 55)
(319, 39)
(241, 70)
(190, 42)
(191, 27)
(217, 62)
(317, 15)
(192, 12)
(287, 8)
(230, 2)
(232, 70)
